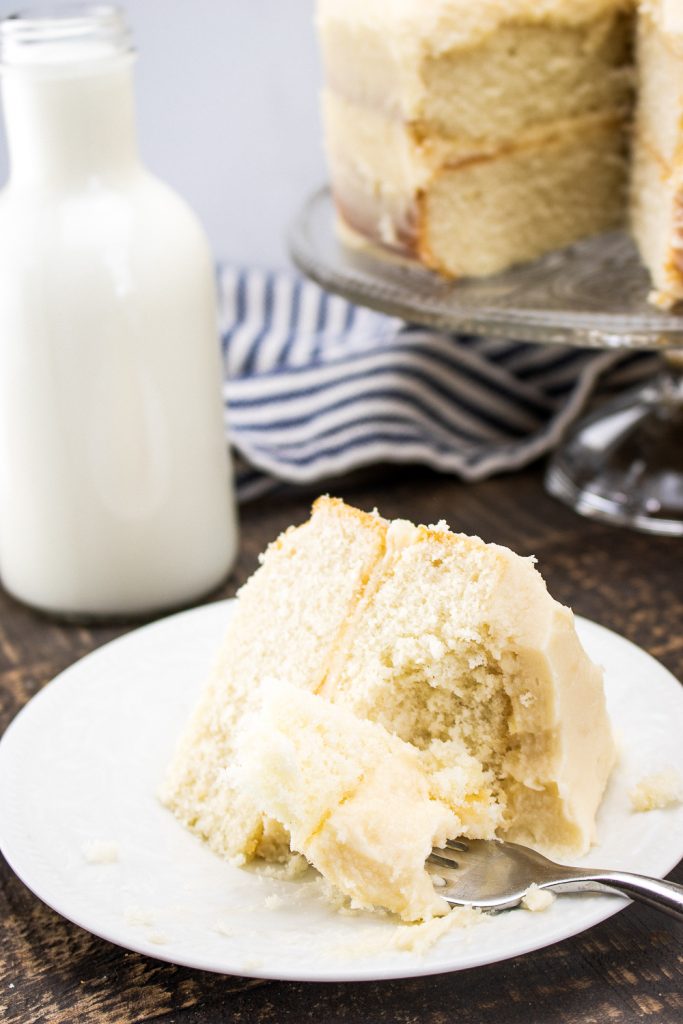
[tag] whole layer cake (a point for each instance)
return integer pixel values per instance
(474, 136)
(383, 687)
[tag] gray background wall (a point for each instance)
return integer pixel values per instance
(227, 113)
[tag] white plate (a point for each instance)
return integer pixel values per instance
(83, 760)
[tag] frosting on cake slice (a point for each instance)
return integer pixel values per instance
(438, 661)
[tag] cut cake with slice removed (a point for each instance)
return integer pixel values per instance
(473, 136)
(455, 652)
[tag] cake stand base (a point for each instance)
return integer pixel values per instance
(624, 463)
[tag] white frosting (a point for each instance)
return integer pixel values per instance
(671, 15)
(448, 24)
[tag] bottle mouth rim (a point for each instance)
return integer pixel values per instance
(63, 34)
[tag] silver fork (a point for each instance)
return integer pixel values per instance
(495, 875)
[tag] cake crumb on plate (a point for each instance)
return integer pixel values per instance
(656, 791)
(100, 851)
(536, 899)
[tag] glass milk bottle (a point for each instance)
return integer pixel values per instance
(115, 486)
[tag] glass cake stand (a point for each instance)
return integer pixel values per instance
(624, 463)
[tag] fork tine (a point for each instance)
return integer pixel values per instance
(457, 844)
(444, 862)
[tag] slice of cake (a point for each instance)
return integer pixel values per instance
(657, 183)
(472, 136)
(432, 667)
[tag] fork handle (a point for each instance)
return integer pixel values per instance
(662, 895)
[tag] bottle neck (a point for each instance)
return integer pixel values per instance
(70, 127)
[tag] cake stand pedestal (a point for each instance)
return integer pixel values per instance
(624, 463)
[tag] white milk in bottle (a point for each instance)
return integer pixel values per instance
(115, 485)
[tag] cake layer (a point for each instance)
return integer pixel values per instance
(470, 209)
(522, 75)
(530, 202)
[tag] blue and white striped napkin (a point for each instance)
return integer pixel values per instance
(316, 387)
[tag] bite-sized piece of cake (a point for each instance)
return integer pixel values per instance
(657, 177)
(453, 646)
(472, 136)
(363, 807)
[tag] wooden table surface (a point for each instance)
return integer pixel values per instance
(629, 968)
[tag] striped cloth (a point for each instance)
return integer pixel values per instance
(316, 387)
